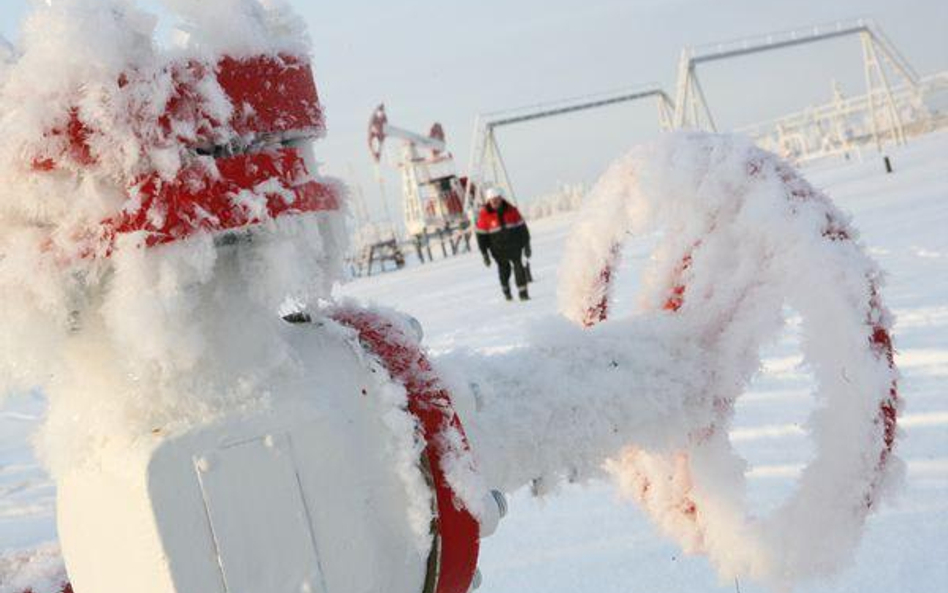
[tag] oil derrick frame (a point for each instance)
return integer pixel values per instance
(691, 106)
(486, 160)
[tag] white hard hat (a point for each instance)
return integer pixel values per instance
(493, 192)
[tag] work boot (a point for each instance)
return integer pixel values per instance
(507, 294)
(523, 293)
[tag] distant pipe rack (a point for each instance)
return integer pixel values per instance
(691, 106)
(485, 152)
(550, 110)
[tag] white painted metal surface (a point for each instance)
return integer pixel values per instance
(258, 517)
(298, 498)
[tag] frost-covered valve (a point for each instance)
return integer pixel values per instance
(338, 481)
(202, 445)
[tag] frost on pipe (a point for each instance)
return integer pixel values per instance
(742, 236)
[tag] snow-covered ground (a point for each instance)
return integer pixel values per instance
(585, 537)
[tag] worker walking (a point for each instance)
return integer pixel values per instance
(503, 234)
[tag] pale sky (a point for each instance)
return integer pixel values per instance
(447, 61)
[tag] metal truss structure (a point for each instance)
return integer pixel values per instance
(881, 61)
(486, 165)
(842, 124)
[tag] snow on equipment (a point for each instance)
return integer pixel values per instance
(806, 257)
(651, 396)
(217, 424)
(432, 192)
(206, 433)
(279, 114)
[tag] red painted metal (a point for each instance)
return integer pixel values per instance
(271, 94)
(430, 403)
(599, 311)
(437, 132)
(377, 132)
(879, 339)
(66, 588)
(676, 294)
(73, 139)
(273, 97)
(206, 196)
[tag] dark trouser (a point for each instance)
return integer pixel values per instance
(520, 274)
